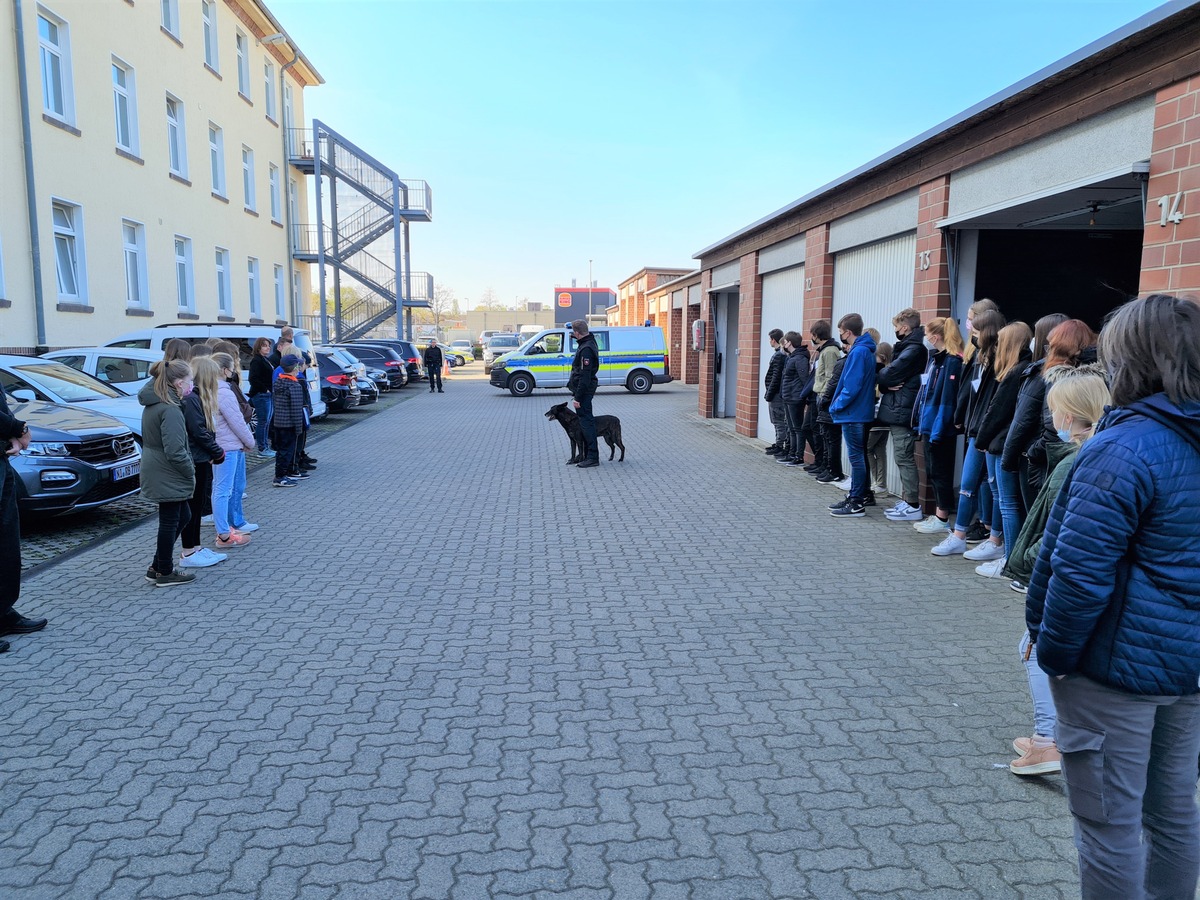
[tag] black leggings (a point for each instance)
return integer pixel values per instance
(172, 519)
(939, 469)
(199, 506)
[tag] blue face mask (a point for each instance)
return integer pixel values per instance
(1064, 435)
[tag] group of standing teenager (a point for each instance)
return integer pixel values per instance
(1081, 471)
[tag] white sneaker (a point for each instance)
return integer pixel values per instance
(879, 490)
(993, 569)
(207, 520)
(985, 551)
(197, 560)
(932, 525)
(904, 512)
(951, 545)
(213, 554)
(895, 509)
(843, 485)
(247, 528)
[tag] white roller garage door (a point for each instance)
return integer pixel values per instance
(782, 308)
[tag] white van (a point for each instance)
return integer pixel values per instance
(633, 356)
(243, 336)
(125, 368)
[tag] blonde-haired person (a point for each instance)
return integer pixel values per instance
(1012, 356)
(229, 478)
(168, 476)
(199, 410)
(933, 415)
(1076, 404)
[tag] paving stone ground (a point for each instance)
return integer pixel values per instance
(675, 677)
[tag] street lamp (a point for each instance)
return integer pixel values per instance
(589, 309)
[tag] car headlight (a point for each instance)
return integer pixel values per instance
(46, 448)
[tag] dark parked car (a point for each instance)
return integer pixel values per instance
(367, 391)
(406, 350)
(339, 383)
(77, 459)
(381, 357)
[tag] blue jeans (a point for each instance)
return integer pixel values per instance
(855, 436)
(1006, 486)
(237, 518)
(1044, 718)
(974, 471)
(224, 478)
(262, 404)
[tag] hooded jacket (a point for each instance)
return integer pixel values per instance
(168, 474)
(998, 416)
(904, 373)
(795, 376)
(1115, 593)
(826, 397)
(827, 356)
(855, 397)
(774, 378)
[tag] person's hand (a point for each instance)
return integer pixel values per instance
(17, 444)
(896, 388)
(576, 402)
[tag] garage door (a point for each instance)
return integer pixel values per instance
(782, 308)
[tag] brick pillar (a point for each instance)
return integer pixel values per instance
(749, 340)
(708, 355)
(818, 277)
(691, 359)
(675, 343)
(1171, 253)
(931, 279)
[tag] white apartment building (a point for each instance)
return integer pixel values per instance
(144, 175)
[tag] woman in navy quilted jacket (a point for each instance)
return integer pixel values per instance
(1114, 609)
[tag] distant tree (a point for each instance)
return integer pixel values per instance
(489, 303)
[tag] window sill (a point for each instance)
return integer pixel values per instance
(276, 223)
(163, 29)
(132, 157)
(5, 304)
(214, 72)
(271, 119)
(226, 319)
(254, 321)
(220, 197)
(176, 177)
(250, 212)
(138, 311)
(281, 322)
(249, 102)
(189, 316)
(75, 307)
(59, 123)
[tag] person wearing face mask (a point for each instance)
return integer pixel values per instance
(976, 530)
(794, 380)
(899, 383)
(933, 415)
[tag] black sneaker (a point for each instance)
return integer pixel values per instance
(828, 478)
(794, 463)
(772, 450)
(174, 579)
(783, 458)
(845, 501)
(301, 474)
(854, 509)
(869, 500)
(977, 533)
(151, 575)
(813, 468)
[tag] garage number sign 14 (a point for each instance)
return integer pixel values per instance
(1170, 209)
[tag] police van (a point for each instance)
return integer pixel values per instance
(635, 357)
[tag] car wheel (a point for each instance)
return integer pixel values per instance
(461, 360)
(639, 382)
(521, 385)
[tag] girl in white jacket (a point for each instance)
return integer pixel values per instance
(229, 478)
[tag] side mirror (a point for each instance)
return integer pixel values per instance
(25, 395)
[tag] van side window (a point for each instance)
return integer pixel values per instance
(137, 344)
(120, 370)
(601, 342)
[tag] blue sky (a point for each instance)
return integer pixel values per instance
(636, 133)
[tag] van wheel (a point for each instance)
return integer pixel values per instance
(521, 385)
(639, 382)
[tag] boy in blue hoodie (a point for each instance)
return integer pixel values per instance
(853, 408)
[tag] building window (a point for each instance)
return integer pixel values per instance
(208, 9)
(248, 178)
(252, 284)
(280, 308)
(216, 158)
(273, 178)
(170, 16)
(295, 291)
(224, 295)
(68, 245)
(185, 285)
(133, 243)
(125, 107)
(293, 202)
(287, 103)
(269, 83)
(176, 145)
(55, 52)
(243, 64)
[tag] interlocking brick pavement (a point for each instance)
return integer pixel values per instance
(675, 677)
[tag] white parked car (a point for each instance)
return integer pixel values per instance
(28, 378)
(125, 368)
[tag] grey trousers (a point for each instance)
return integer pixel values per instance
(778, 411)
(904, 451)
(1130, 766)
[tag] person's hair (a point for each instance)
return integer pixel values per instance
(207, 375)
(1010, 344)
(973, 311)
(1041, 333)
(165, 374)
(947, 329)
(227, 361)
(225, 347)
(286, 333)
(775, 334)
(874, 333)
(177, 348)
(1066, 342)
(199, 350)
(821, 330)
(884, 353)
(987, 328)
(1082, 396)
(258, 344)
(908, 316)
(794, 338)
(212, 341)
(580, 326)
(1152, 345)
(852, 322)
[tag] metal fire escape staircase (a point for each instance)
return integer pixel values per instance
(361, 205)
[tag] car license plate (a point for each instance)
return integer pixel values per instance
(120, 473)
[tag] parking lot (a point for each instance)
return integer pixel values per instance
(451, 666)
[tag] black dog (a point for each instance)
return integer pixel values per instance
(607, 427)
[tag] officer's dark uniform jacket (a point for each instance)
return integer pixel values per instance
(433, 357)
(585, 369)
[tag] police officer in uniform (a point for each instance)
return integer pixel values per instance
(584, 379)
(433, 365)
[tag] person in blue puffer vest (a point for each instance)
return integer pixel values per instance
(853, 408)
(1114, 610)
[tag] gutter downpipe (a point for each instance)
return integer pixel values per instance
(35, 244)
(288, 224)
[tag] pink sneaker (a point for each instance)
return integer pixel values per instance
(1042, 758)
(233, 540)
